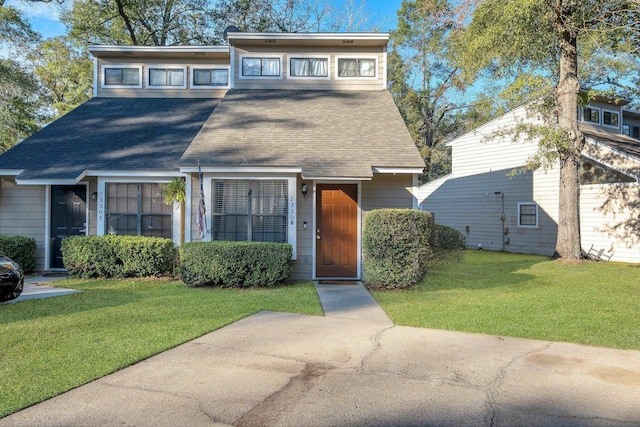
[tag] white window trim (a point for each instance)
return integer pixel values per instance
(337, 68)
(592, 108)
(166, 67)
(260, 56)
(520, 204)
(209, 67)
(327, 57)
(614, 112)
(101, 202)
(103, 84)
(292, 203)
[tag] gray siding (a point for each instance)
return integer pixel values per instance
(476, 202)
(23, 213)
(302, 267)
(387, 191)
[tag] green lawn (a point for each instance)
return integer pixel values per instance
(53, 345)
(525, 296)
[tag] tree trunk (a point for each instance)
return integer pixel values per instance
(568, 241)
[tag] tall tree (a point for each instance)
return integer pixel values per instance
(550, 38)
(19, 91)
(65, 72)
(140, 22)
(424, 81)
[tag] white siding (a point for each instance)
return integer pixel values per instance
(610, 219)
(23, 213)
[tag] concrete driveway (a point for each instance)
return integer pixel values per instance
(37, 288)
(278, 369)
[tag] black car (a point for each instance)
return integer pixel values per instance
(11, 279)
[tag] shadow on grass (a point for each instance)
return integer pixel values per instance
(476, 270)
(89, 299)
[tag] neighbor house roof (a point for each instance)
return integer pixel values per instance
(322, 133)
(622, 143)
(109, 134)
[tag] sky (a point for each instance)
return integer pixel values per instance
(44, 16)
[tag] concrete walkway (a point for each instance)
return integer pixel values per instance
(344, 369)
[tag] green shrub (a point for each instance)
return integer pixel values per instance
(397, 247)
(447, 238)
(117, 256)
(21, 249)
(234, 264)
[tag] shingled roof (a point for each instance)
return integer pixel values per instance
(103, 134)
(325, 133)
(623, 143)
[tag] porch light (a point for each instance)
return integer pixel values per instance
(304, 189)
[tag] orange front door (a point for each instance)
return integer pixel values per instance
(337, 230)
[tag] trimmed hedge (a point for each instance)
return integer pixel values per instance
(234, 264)
(21, 249)
(447, 238)
(118, 256)
(397, 246)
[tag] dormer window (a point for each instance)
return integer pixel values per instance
(167, 77)
(311, 67)
(356, 67)
(114, 76)
(261, 66)
(611, 118)
(591, 115)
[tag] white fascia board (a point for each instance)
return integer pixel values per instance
(232, 169)
(156, 49)
(329, 179)
(397, 170)
(54, 181)
(307, 36)
(129, 173)
(11, 172)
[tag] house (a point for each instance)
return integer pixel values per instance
(295, 137)
(498, 210)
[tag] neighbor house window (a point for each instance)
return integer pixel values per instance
(626, 130)
(209, 77)
(591, 115)
(260, 66)
(635, 132)
(527, 214)
(138, 209)
(115, 76)
(611, 118)
(356, 67)
(309, 67)
(250, 210)
(160, 77)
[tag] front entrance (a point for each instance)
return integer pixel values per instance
(68, 218)
(337, 230)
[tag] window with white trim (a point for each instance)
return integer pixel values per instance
(300, 67)
(256, 66)
(591, 115)
(610, 118)
(209, 77)
(356, 68)
(528, 215)
(250, 210)
(167, 77)
(121, 76)
(138, 209)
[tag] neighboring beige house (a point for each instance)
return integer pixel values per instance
(295, 134)
(497, 211)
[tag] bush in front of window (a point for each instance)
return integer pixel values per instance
(234, 264)
(397, 247)
(21, 249)
(118, 256)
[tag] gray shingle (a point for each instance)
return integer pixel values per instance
(111, 134)
(327, 133)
